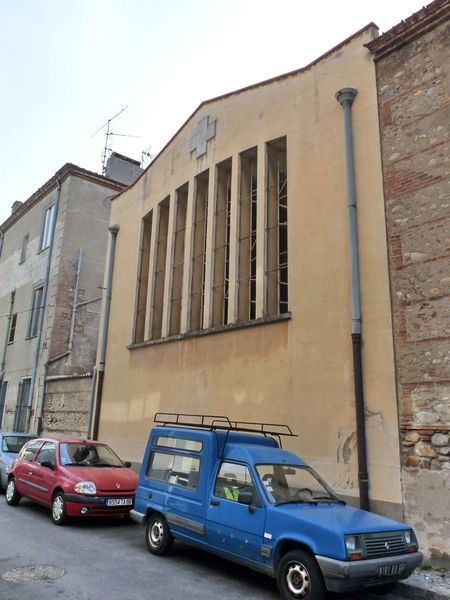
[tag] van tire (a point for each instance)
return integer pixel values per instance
(299, 576)
(158, 537)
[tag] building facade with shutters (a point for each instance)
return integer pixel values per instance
(231, 281)
(52, 260)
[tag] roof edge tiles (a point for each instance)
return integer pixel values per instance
(62, 173)
(404, 32)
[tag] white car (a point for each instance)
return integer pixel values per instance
(10, 445)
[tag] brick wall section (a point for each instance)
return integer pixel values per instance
(414, 105)
(412, 63)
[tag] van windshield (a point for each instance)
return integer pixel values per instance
(294, 484)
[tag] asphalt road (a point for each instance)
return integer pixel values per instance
(108, 560)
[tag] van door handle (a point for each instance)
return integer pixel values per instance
(215, 502)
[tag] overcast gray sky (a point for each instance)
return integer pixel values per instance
(67, 66)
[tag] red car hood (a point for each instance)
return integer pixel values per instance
(106, 479)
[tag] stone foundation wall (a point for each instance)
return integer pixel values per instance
(66, 407)
(414, 106)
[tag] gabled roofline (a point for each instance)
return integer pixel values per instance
(254, 86)
(62, 173)
(406, 31)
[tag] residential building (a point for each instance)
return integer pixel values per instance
(414, 105)
(52, 261)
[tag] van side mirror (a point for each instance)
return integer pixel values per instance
(127, 464)
(247, 498)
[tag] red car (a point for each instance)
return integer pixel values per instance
(76, 478)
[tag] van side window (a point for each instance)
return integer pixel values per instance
(231, 480)
(175, 469)
(178, 443)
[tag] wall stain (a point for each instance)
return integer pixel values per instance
(346, 447)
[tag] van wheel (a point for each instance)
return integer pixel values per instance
(12, 495)
(158, 536)
(298, 576)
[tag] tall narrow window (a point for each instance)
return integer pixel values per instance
(222, 244)
(36, 308)
(159, 274)
(197, 296)
(247, 237)
(3, 388)
(178, 260)
(12, 328)
(142, 286)
(21, 418)
(276, 229)
(23, 254)
(48, 225)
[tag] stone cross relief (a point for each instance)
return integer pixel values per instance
(206, 130)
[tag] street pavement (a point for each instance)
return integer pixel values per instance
(108, 560)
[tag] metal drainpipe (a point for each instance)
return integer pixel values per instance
(38, 413)
(75, 300)
(345, 98)
(91, 399)
(113, 230)
(8, 329)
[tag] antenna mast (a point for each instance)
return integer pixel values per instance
(107, 148)
(109, 133)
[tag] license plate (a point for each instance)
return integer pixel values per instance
(387, 570)
(119, 501)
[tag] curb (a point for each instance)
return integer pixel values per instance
(416, 592)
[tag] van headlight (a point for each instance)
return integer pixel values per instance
(410, 540)
(85, 487)
(353, 546)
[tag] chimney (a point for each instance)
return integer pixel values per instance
(17, 204)
(122, 168)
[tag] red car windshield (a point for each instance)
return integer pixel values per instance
(88, 455)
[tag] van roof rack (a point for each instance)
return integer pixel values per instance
(214, 422)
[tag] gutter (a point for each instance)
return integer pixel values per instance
(113, 230)
(8, 329)
(75, 300)
(345, 97)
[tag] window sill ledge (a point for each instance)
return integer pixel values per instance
(212, 331)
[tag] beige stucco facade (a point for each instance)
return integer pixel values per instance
(294, 367)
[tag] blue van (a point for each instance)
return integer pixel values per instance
(229, 488)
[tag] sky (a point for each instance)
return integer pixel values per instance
(68, 66)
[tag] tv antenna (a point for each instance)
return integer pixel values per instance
(107, 149)
(146, 156)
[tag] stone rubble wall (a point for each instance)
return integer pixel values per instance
(414, 107)
(66, 407)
